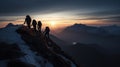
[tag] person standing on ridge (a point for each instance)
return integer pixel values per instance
(46, 32)
(34, 23)
(28, 21)
(39, 26)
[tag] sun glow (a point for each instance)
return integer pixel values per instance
(52, 23)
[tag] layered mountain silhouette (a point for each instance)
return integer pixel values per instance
(92, 46)
(93, 35)
(23, 47)
(102, 30)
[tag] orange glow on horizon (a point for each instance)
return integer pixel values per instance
(56, 24)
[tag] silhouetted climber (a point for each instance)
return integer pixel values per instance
(39, 26)
(34, 23)
(28, 20)
(46, 32)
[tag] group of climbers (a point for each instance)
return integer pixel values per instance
(48, 49)
(36, 26)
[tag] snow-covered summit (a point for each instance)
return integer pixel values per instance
(19, 40)
(10, 24)
(9, 36)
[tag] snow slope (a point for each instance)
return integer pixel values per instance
(31, 58)
(10, 36)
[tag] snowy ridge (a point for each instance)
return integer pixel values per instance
(10, 36)
(29, 57)
(17, 39)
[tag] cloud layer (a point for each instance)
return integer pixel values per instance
(89, 9)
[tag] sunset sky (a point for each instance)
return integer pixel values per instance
(55, 12)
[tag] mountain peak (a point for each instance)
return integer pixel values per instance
(9, 25)
(78, 25)
(103, 30)
(34, 49)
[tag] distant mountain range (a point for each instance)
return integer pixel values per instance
(93, 46)
(102, 30)
(105, 36)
